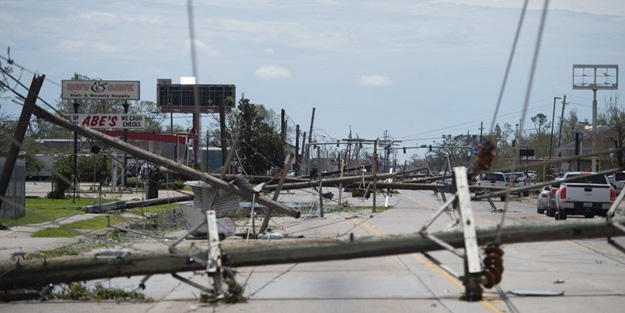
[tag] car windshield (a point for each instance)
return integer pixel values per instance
(579, 178)
(494, 176)
(619, 176)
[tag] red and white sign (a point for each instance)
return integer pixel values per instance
(110, 121)
(100, 89)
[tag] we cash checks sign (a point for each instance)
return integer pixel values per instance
(100, 90)
(109, 121)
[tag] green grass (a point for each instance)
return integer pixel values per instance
(154, 209)
(56, 232)
(98, 222)
(40, 210)
(71, 229)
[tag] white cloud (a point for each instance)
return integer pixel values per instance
(269, 51)
(84, 46)
(375, 80)
(202, 49)
(272, 72)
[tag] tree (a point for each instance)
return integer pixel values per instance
(260, 145)
(569, 126)
(541, 123)
(614, 119)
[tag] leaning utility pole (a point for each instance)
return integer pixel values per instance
(18, 135)
(310, 135)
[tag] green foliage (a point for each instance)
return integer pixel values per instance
(61, 177)
(79, 291)
(172, 185)
(95, 167)
(133, 182)
(261, 146)
(107, 240)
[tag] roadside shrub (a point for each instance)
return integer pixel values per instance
(61, 177)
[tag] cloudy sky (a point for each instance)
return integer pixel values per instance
(415, 68)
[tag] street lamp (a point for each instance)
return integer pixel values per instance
(553, 115)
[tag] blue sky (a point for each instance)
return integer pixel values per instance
(417, 69)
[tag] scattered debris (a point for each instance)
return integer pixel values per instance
(536, 293)
(78, 291)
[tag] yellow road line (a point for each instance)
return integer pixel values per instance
(486, 302)
(421, 203)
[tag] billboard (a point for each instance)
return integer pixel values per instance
(109, 121)
(179, 98)
(595, 76)
(100, 89)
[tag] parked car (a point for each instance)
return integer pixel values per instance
(493, 179)
(517, 179)
(587, 195)
(617, 180)
(543, 200)
(552, 203)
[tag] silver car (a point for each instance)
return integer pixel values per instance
(543, 200)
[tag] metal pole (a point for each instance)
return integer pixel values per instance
(375, 171)
(123, 180)
(75, 169)
(594, 126)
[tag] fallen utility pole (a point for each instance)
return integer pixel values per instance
(40, 272)
(123, 205)
(19, 133)
(161, 161)
(330, 181)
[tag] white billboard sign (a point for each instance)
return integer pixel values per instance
(110, 121)
(100, 89)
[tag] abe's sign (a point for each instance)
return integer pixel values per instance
(100, 89)
(110, 121)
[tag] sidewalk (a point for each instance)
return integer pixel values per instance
(18, 238)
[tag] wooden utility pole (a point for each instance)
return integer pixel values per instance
(310, 135)
(276, 193)
(27, 273)
(375, 171)
(19, 133)
(297, 157)
(283, 125)
(303, 155)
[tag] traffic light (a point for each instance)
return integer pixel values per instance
(513, 142)
(337, 143)
(404, 150)
(430, 148)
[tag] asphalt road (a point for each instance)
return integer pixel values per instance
(588, 273)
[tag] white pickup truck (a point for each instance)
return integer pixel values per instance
(585, 195)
